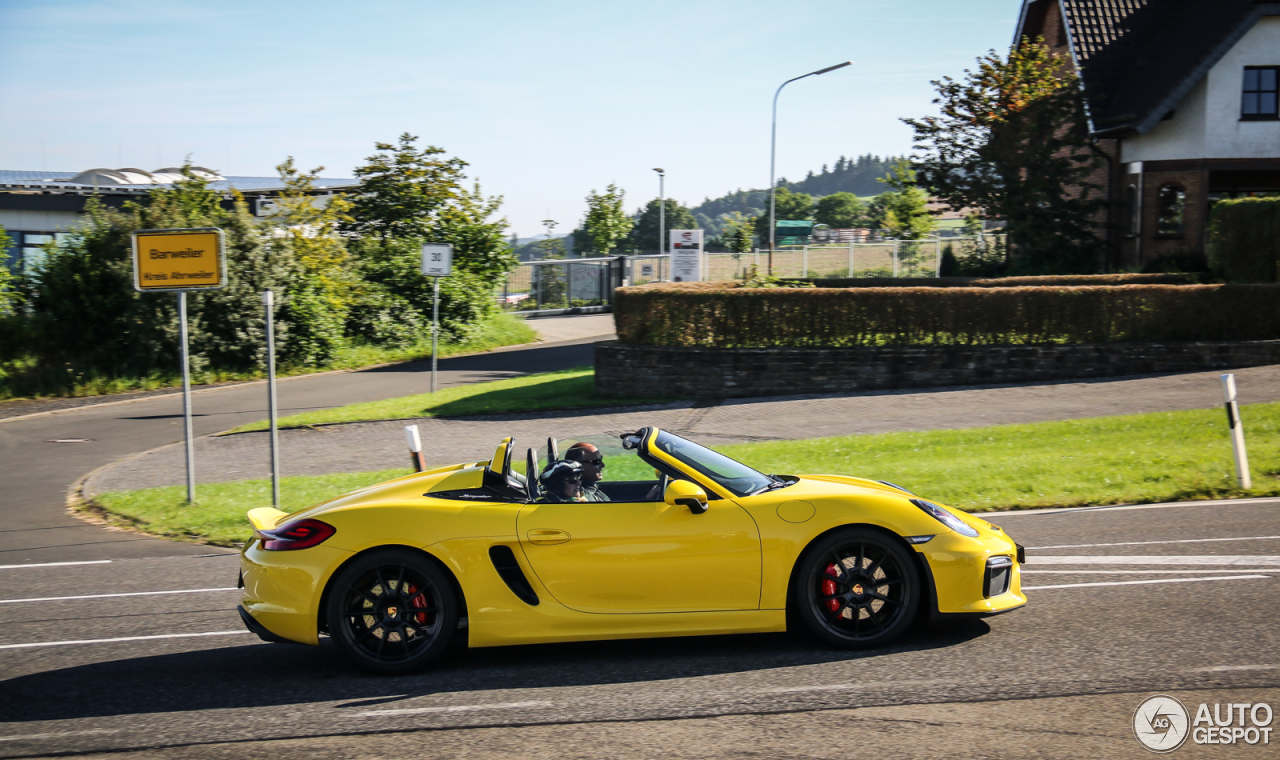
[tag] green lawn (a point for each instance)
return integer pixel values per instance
(1165, 456)
(565, 389)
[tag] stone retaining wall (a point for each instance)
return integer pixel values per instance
(657, 371)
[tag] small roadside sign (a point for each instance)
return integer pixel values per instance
(437, 259)
(179, 260)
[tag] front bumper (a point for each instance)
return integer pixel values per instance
(962, 569)
(282, 590)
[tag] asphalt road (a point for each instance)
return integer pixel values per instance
(1124, 603)
(36, 470)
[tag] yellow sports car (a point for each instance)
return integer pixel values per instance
(706, 545)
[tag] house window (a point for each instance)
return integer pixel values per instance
(1261, 93)
(1135, 209)
(1171, 210)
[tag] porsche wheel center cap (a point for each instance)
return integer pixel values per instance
(857, 589)
(392, 611)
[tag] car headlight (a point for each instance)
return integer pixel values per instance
(946, 518)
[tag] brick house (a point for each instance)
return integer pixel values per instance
(1182, 96)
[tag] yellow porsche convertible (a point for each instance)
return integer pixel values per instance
(392, 573)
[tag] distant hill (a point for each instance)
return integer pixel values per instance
(859, 176)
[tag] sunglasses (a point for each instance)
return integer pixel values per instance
(598, 462)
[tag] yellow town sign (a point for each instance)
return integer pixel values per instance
(165, 260)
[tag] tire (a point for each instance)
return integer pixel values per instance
(857, 588)
(373, 611)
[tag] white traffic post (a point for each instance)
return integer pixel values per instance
(268, 302)
(186, 399)
(1237, 431)
(415, 448)
(437, 262)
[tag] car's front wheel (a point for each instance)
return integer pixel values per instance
(392, 611)
(857, 588)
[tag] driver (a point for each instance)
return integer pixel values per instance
(561, 483)
(592, 462)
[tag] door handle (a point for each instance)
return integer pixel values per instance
(547, 537)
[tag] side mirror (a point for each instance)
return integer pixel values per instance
(682, 493)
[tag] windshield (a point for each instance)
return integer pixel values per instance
(735, 477)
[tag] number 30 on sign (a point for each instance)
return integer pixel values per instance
(437, 259)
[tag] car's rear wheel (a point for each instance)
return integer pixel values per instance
(392, 611)
(857, 588)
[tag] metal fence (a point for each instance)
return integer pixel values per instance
(566, 283)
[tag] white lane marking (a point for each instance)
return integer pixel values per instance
(1091, 571)
(111, 596)
(1157, 559)
(1226, 668)
(58, 564)
(121, 638)
(1145, 543)
(59, 734)
(1158, 580)
(1127, 507)
(448, 709)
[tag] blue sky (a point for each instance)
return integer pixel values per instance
(545, 100)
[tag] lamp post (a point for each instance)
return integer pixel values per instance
(662, 210)
(773, 146)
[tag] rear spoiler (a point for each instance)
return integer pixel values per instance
(265, 518)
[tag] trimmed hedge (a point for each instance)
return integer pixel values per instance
(1244, 239)
(730, 317)
(1000, 282)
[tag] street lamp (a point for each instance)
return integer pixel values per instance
(773, 145)
(662, 210)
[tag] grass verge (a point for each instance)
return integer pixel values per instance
(1163, 456)
(565, 389)
(23, 379)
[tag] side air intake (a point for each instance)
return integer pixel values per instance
(504, 561)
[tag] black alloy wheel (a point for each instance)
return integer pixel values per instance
(392, 611)
(857, 588)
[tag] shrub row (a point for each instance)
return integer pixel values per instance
(1000, 282)
(1244, 239)
(830, 317)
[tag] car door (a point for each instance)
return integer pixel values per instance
(644, 557)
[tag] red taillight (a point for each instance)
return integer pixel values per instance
(300, 535)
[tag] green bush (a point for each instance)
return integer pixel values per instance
(730, 317)
(1244, 239)
(999, 282)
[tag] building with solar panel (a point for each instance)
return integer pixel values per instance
(38, 207)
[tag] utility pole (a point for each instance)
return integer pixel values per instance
(662, 210)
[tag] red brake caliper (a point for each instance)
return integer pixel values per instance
(418, 602)
(829, 588)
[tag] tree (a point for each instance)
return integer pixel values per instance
(1011, 142)
(402, 189)
(10, 296)
(606, 223)
(739, 233)
(644, 236)
(840, 210)
(788, 206)
(902, 212)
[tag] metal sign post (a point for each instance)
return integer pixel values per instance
(268, 302)
(168, 261)
(437, 262)
(1237, 432)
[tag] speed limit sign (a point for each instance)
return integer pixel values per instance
(437, 259)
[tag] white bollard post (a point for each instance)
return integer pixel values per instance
(415, 448)
(1237, 432)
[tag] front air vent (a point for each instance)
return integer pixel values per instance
(504, 561)
(999, 574)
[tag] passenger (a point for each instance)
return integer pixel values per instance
(561, 483)
(592, 462)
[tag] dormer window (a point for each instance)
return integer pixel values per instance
(1261, 94)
